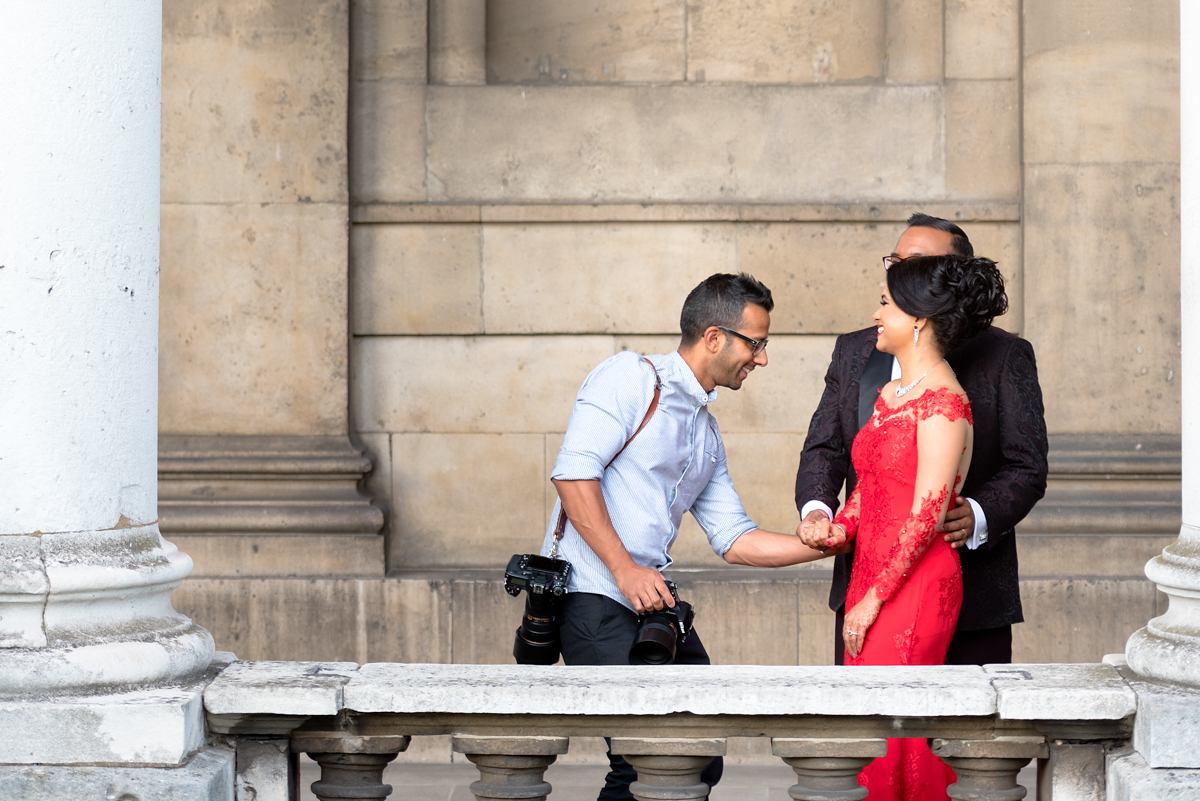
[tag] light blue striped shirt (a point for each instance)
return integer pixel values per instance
(675, 465)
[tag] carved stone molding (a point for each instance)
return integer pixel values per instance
(987, 211)
(1111, 484)
(269, 505)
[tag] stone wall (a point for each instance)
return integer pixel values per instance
(413, 227)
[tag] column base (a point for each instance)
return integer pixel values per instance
(1168, 648)
(163, 660)
(1166, 730)
(269, 505)
(90, 612)
(160, 727)
(1129, 778)
(207, 776)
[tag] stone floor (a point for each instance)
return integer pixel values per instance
(446, 782)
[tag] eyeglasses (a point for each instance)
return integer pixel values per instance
(888, 261)
(757, 345)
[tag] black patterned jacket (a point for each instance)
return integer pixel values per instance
(1008, 464)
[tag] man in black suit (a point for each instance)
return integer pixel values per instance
(1008, 465)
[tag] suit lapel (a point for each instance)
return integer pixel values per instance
(876, 373)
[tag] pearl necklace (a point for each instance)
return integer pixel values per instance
(902, 391)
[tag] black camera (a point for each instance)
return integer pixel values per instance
(660, 631)
(545, 582)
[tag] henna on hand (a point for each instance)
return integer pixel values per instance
(858, 622)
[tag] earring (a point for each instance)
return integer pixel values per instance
(916, 335)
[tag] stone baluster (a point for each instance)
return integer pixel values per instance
(351, 764)
(510, 768)
(987, 769)
(827, 768)
(668, 768)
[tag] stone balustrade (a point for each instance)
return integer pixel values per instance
(669, 722)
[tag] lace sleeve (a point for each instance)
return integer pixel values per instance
(945, 403)
(941, 440)
(916, 535)
(848, 517)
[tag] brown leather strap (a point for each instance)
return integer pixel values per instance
(561, 527)
(649, 412)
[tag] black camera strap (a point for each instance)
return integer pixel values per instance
(561, 527)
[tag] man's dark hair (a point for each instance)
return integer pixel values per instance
(958, 238)
(720, 300)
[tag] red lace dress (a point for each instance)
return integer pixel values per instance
(914, 571)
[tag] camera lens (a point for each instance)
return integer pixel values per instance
(537, 640)
(655, 642)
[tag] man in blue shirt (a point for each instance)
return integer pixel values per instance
(624, 517)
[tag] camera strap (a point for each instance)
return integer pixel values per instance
(561, 526)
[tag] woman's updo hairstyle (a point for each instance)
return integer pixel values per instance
(960, 296)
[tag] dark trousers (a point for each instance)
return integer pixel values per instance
(983, 647)
(596, 630)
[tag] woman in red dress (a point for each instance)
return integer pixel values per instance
(911, 458)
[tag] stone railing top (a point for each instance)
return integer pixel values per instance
(1014, 692)
(1061, 692)
(700, 690)
(279, 688)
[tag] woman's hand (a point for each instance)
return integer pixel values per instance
(858, 622)
(821, 534)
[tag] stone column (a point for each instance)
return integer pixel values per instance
(827, 768)
(85, 577)
(668, 768)
(458, 42)
(511, 768)
(1168, 647)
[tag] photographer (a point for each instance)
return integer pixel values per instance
(624, 513)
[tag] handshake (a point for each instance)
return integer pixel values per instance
(819, 533)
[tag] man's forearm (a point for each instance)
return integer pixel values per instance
(760, 548)
(584, 504)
